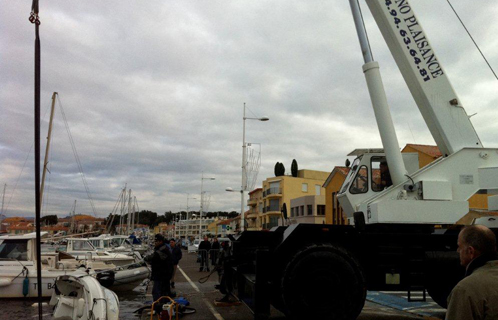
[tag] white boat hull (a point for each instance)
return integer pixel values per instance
(12, 281)
(83, 298)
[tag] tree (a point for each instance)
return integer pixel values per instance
(49, 220)
(281, 169)
(294, 168)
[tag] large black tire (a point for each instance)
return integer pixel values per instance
(323, 282)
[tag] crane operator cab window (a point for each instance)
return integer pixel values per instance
(360, 182)
(381, 178)
(357, 179)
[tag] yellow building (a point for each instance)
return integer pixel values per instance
(255, 204)
(333, 211)
(280, 190)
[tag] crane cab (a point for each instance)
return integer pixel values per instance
(369, 176)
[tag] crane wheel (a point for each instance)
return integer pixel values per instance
(323, 282)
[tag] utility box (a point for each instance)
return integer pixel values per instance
(493, 203)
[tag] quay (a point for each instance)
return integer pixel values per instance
(379, 305)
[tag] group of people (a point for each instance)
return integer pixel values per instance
(474, 297)
(208, 251)
(164, 263)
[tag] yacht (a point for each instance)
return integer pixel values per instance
(82, 249)
(18, 276)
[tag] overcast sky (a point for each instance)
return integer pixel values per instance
(153, 93)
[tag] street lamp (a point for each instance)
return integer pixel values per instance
(244, 160)
(202, 203)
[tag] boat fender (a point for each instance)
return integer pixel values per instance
(25, 286)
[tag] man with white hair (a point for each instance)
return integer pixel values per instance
(476, 296)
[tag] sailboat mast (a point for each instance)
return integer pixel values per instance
(73, 213)
(121, 220)
(128, 222)
(47, 148)
(3, 197)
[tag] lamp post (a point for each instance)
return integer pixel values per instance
(202, 203)
(244, 160)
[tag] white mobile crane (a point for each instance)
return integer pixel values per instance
(323, 271)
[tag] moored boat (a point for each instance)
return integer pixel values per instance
(83, 298)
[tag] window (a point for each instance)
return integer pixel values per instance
(274, 205)
(360, 182)
(301, 210)
(14, 249)
(273, 222)
(351, 174)
(82, 245)
(318, 189)
(274, 188)
(304, 187)
(320, 210)
(292, 212)
(310, 210)
(381, 178)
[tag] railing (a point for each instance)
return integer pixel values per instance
(274, 190)
(208, 259)
(272, 208)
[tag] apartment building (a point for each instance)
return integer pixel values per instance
(279, 190)
(255, 204)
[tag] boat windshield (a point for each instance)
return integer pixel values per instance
(14, 249)
(116, 242)
(82, 245)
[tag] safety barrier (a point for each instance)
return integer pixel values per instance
(207, 259)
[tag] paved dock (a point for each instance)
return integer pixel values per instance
(379, 305)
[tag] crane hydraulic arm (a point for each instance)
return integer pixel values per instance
(443, 112)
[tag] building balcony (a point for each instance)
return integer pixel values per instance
(253, 215)
(252, 202)
(271, 209)
(272, 192)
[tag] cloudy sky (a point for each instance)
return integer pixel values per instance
(153, 93)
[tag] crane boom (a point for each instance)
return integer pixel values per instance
(429, 85)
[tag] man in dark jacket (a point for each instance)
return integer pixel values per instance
(161, 262)
(215, 251)
(176, 253)
(204, 248)
(476, 296)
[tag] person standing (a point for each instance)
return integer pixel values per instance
(161, 263)
(204, 248)
(476, 296)
(385, 175)
(176, 253)
(215, 251)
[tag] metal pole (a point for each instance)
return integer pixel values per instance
(35, 19)
(243, 186)
(200, 212)
(379, 102)
(3, 197)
